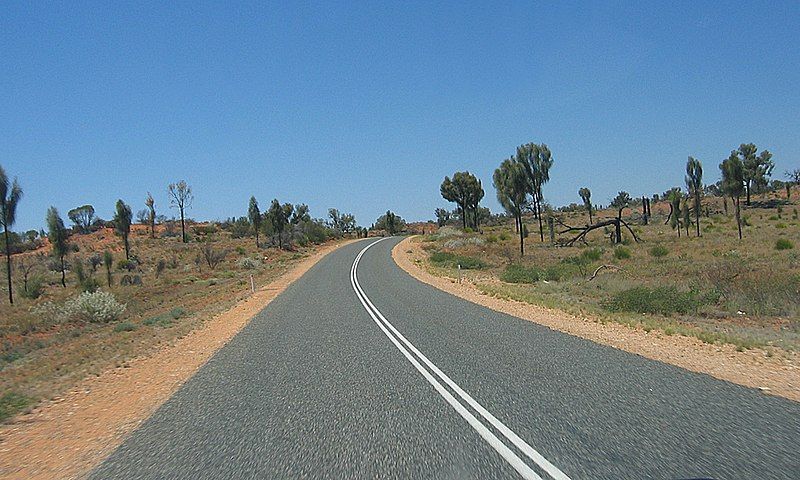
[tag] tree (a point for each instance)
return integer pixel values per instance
(675, 213)
(279, 217)
(300, 215)
(341, 222)
(151, 207)
(586, 196)
(537, 160)
(793, 178)
(755, 168)
(694, 182)
(9, 199)
(82, 217)
(108, 261)
(390, 222)
(686, 215)
(255, 216)
(733, 184)
(621, 200)
(181, 198)
(122, 225)
(442, 216)
(59, 240)
(513, 187)
(466, 191)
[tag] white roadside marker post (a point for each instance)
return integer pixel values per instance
(252, 284)
(459, 273)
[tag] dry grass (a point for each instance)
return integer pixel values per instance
(715, 288)
(40, 360)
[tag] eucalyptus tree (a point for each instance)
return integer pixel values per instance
(733, 184)
(694, 182)
(278, 216)
(181, 198)
(82, 217)
(442, 216)
(151, 219)
(59, 241)
(122, 225)
(9, 199)
(254, 214)
(586, 196)
(537, 160)
(466, 191)
(755, 168)
(793, 178)
(513, 189)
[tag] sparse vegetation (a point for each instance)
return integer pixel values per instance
(783, 244)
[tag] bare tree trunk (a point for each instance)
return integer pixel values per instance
(183, 227)
(747, 192)
(8, 268)
(127, 248)
(538, 206)
(521, 237)
(697, 213)
(738, 216)
(63, 273)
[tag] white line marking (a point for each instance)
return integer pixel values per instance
(487, 435)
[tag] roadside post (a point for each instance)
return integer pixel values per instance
(252, 284)
(459, 273)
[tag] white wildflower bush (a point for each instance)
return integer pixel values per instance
(95, 307)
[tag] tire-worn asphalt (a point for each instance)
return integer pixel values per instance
(311, 388)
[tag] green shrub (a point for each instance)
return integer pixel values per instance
(774, 218)
(659, 251)
(453, 261)
(125, 327)
(128, 265)
(592, 254)
(565, 269)
(240, 250)
(491, 238)
(780, 225)
(621, 253)
(165, 319)
(504, 236)
(12, 403)
(662, 300)
(520, 274)
(34, 289)
(783, 244)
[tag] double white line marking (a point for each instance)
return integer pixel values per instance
(414, 356)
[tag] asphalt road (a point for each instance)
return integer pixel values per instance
(329, 383)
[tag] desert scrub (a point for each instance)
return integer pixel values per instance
(124, 327)
(662, 300)
(11, 403)
(516, 273)
(622, 253)
(93, 307)
(166, 319)
(659, 251)
(248, 263)
(446, 259)
(783, 244)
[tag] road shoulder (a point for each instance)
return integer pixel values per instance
(68, 436)
(777, 375)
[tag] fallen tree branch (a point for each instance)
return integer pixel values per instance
(610, 267)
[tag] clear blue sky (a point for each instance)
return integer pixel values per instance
(367, 107)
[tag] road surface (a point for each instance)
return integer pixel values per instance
(360, 371)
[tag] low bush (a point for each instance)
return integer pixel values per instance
(659, 251)
(515, 273)
(93, 307)
(622, 253)
(248, 263)
(165, 319)
(592, 254)
(504, 236)
(125, 327)
(12, 403)
(452, 260)
(34, 288)
(662, 300)
(783, 244)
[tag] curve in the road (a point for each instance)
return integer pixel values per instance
(407, 347)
